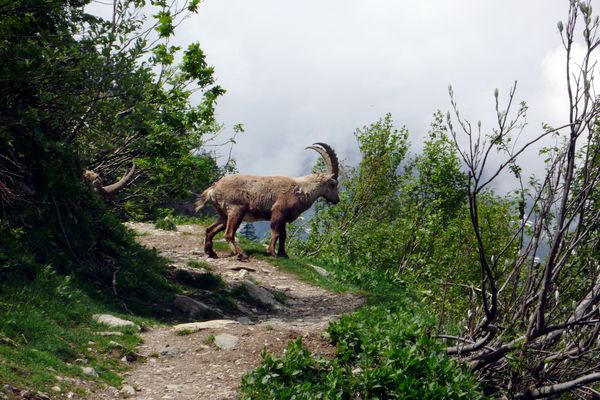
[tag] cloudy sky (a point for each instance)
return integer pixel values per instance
(297, 72)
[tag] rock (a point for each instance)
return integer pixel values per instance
(132, 357)
(109, 333)
(241, 275)
(89, 371)
(242, 268)
(194, 308)
(10, 389)
(198, 326)
(244, 320)
(114, 322)
(171, 351)
(261, 294)
(174, 388)
(191, 271)
(319, 270)
(7, 341)
(226, 341)
(56, 389)
(127, 391)
(116, 345)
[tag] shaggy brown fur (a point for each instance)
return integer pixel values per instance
(279, 199)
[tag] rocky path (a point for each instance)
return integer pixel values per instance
(209, 364)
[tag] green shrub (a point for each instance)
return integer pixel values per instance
(381, 353)
(165, 224)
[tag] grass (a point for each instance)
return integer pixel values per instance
(209, 340)
(49, 323)
(206, 281)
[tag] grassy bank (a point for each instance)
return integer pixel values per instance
(47, 335)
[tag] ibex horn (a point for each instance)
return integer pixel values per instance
(329, 156)
(115, 187)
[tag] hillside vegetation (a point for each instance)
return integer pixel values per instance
(470, 292)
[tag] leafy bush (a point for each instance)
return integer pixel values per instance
(406, 219)
(165, 221)
(380, 353)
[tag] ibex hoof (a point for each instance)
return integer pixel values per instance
(283, 255)
(243, 257)
(212, 254)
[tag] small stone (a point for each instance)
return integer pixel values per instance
(171, 351)
(198, 326)
(90, 371)
(56, 389)
(109, 333)
(226, 341)
(319, 270)
(244, 320)
(174, 388)
(241, 275)
(242, 268)
(114, 322)
(127, 391)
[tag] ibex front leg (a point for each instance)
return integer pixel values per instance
(277, 233)
(282, 236)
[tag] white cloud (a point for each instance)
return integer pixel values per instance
(556, 101)
(306, 71)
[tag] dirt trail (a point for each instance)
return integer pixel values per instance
(191, 366)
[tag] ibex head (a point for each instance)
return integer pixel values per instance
(329, 189)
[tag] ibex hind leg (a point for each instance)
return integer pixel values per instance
(234, 219)
(211, 231)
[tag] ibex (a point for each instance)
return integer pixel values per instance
(279, 199)
(94, 180)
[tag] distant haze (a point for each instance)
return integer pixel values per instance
(306, 71)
